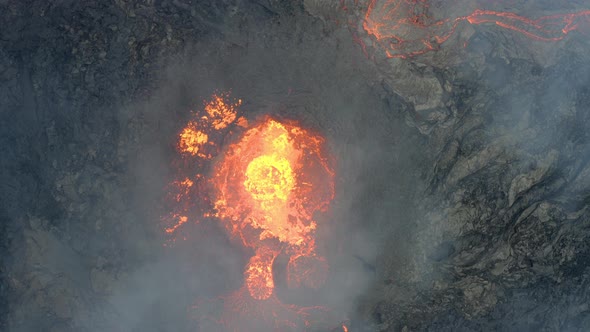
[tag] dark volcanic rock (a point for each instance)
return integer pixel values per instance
(463, 178)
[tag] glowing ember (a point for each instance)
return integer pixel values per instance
(403, 28)
(184, 187)
(180, 220)
(221, 112)
(192, 140)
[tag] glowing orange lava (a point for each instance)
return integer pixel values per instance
(192, 140)
(265, 189)
(195, 142)
(220, 112)
(258, 274)
(269, 185)
(404, 28)
(180, 220)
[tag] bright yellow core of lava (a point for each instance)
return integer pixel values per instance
(269, 178)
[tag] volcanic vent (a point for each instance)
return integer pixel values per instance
(265, 189)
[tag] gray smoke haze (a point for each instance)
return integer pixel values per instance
(461, 176)
(297, 74)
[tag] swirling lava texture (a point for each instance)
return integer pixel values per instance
(266, 190)
(268, 187)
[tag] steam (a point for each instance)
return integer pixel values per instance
(318, 85)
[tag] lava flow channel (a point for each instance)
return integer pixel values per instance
(268, 187)
(404, 28)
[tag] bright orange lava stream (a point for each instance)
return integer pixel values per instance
(404, 28)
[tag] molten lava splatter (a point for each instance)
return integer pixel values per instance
(196, 143)
(265, 190)
(404, 28)
(179, 221)
(220, 111)
(192, 140)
